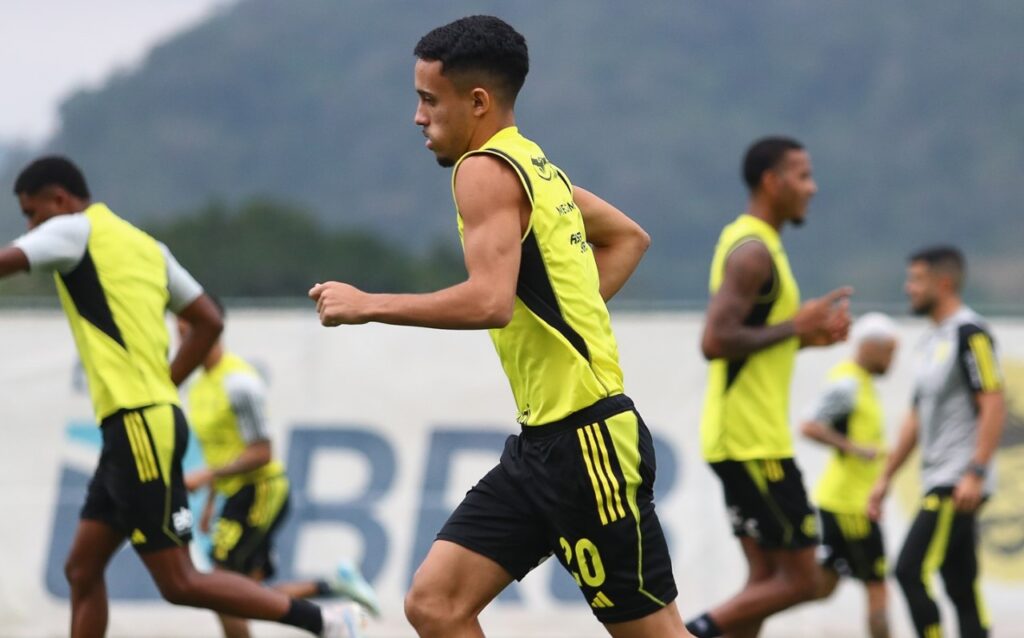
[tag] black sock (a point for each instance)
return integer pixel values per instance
(304, 615)
(323, 588)
(703, 626)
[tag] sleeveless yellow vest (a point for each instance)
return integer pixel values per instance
(746, 405)
(115, 300)
(845, 485)
(215, 425)
(558, 351)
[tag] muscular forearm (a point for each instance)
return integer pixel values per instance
(824, 434)
(991, 416)
(616, 263)
(464, 306)
(904, 446)
(738, 341)
(193, 350)
(251, 458)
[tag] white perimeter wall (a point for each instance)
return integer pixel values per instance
(387, 427)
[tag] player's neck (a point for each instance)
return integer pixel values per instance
(760, 209)
(945, 308)
(214, 356)
(489, 126)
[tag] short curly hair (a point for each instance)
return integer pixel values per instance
(479, 44)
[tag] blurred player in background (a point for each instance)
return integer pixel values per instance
(848, 417)
(116, 284)
(226, 409)
(755, 324)
(542, 258)
(957, 418)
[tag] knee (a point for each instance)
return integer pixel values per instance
(908, 575)
(430, 611)
(802, 585)
(177, 590)
(80, 574)
(958, 586)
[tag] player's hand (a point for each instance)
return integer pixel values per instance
(198, 478)
(339, 303)
(825, 320)
(967, 494)
(864, 451)
(876, 497)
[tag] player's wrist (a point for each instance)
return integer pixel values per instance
(976, 470)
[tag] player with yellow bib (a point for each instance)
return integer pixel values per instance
(847, 416)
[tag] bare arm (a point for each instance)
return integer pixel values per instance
(254, 456)
(206, 325)
(905, 444)
(492, 202)
(747, 270)
(619, 242)
(822, 433)
(12, 260)
(969, 491)
(821, 321)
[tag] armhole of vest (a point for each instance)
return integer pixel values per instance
(771, 294)
(524, 179)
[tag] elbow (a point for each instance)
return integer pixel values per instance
(710, 347)
(497, 313)
(807, 429)
(643, 240)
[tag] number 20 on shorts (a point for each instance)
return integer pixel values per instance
(590, 569)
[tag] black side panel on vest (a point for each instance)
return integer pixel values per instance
(83, 284)
(757, 317)
(534, 289)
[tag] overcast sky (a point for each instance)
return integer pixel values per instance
(50, 48)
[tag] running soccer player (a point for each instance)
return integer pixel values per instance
(957, 417)
(542, 257)
(226, 411)
(755, 324)
(116, 283)
(848, 417)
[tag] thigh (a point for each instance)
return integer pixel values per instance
(242, 539)
(595, 485)
(144, 478)
(961, 559)
(497, 519)
(925, 546)
(767, 502)
(465, 579)
(94, 544)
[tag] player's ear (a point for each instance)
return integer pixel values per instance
(481, 101)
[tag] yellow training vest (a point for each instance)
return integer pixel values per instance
(746, 406)
(115, 300)
(558, 351)
(213, 420)
(847, 481)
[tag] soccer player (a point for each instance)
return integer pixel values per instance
(755, 324)
(226, 411)
(543, 257)
(848, 417)
(957, 417)
(115, 284)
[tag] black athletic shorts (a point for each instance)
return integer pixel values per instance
(138, 488)
(243, 534)
(767, 502)
(583, 489)
(852, 546)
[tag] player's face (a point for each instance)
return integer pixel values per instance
(794, 185)
(921, 288)
(444, 112)
(878, 355)
(43, 205)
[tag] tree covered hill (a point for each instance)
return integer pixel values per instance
(913, 113)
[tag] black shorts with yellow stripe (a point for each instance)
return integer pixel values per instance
(767, 502)
(244, 531)
(138, 487)
(581, 488)
(852, 546)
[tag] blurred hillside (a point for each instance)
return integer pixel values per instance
(914, 120)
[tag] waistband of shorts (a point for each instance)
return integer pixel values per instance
(599, 411)
(119, 414)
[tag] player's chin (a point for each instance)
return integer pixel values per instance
(444, 161)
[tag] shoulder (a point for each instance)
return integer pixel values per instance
(484, 181)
